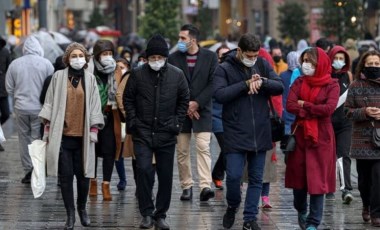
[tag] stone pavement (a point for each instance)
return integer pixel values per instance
(19, 210)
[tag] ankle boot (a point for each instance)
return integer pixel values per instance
(84, 220)
(93, 187)
(106, 192)
(70, 220)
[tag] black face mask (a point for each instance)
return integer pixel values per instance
(371, 72)
(277, 59)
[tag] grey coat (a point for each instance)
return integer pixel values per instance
(53, 110)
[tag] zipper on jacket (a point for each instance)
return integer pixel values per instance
(253, 124)
(156, 106)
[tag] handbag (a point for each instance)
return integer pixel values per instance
(375, 136)
(277, 125)
(288, 142)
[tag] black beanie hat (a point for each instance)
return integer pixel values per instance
(157, 46)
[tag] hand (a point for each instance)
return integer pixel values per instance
(196, 115)
(45, 137)
(93, 137)
(300, 103)
(193, 106)
(254, 84)
(373, 112)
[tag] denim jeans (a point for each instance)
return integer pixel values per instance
(265, 189)
(234, 170)
(316, 206)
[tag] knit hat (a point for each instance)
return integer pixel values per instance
(101, 46)
(70, 48)
(157, 46)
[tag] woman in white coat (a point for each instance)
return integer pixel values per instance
(72, 116)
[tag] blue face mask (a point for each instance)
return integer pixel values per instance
(182, 46)
(338, 64)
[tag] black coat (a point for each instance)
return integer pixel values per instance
(246, 118)
(200, 84)
(156, 104)
(5, 60)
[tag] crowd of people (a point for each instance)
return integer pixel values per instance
(104, 105)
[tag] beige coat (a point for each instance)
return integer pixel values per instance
(53, 111)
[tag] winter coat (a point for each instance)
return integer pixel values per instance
(287, 117)
(246, 120)
(312, 165)
(361, 94)
(26, 76)
(5, 61)
(217, 123)
(200, 84)
(53, 111)
(156, 104)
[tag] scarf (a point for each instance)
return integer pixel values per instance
(111, 82)
(310, 88)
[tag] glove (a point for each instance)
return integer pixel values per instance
(45, 137)
(94, 135)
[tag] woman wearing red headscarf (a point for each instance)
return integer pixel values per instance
(311, 167)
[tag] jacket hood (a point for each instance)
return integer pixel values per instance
(323, 64)
(32, 46)
(340, 49)
(302, 45)
(292, 60)
(230, 57)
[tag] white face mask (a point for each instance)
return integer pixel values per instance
(157, 65)
(140, 63)
(106, 60)
(123, 71)
(338, 64)
(307, 69)
(248, 62)
(77, 63)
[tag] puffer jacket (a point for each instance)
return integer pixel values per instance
(156, 103)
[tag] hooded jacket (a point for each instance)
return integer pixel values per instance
(5, 60)
(246, 120)
(26, 75)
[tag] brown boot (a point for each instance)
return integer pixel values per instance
(106, 191)
(93, 187)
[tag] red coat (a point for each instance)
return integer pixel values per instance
(312, 165)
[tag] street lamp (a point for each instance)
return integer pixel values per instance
(353, 19)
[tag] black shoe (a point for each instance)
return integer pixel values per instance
(229, 217)
(330, 196)
(187, 194)
(70, 220)
(1, 148)
(121, 185)
(146, 222)
(206, 194)
(161, 224)
(27, 177)
(347, 197)
(84, 220)
(252, 225)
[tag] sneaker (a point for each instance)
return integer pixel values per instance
(229, 217)
(218, 184)
(330, 196)
(265, 202)
(347, 197)
(252, 225)
(302, 220)
(27, 177)
(1, 148)
(311, 228)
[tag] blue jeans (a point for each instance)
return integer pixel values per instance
(316, 206)
(234, 170)
(265, 189)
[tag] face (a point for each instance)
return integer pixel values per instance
(251, 55)
(106, 53)
(156, 58)
(339, 57)
(122, 66)
(76, 54)
(184, 36)
(127, 56)
(372, 61)
(276, 52)
(306, 59)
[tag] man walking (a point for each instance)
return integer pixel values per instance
(156, 99)
(5, 60)
(244, 83)
(24, 80)
(198, 64)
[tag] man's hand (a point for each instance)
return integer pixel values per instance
(193, 106)
(254, 84)
(373, 112)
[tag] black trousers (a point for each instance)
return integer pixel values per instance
(343, 133)
(71, 163)
(220, 165)
(369, 184)
(145, 178)
(4, 109)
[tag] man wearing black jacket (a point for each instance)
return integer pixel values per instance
(156, 99)
(5, 60)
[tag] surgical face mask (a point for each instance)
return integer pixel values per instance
(77, 63)
(338, 64)
(106, 60)
(183, 46)
(128, 59)
(140, 63)
(307, 69)
(123, 71)
(157, 65)
(248, 62)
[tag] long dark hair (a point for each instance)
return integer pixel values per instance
(361, 63)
